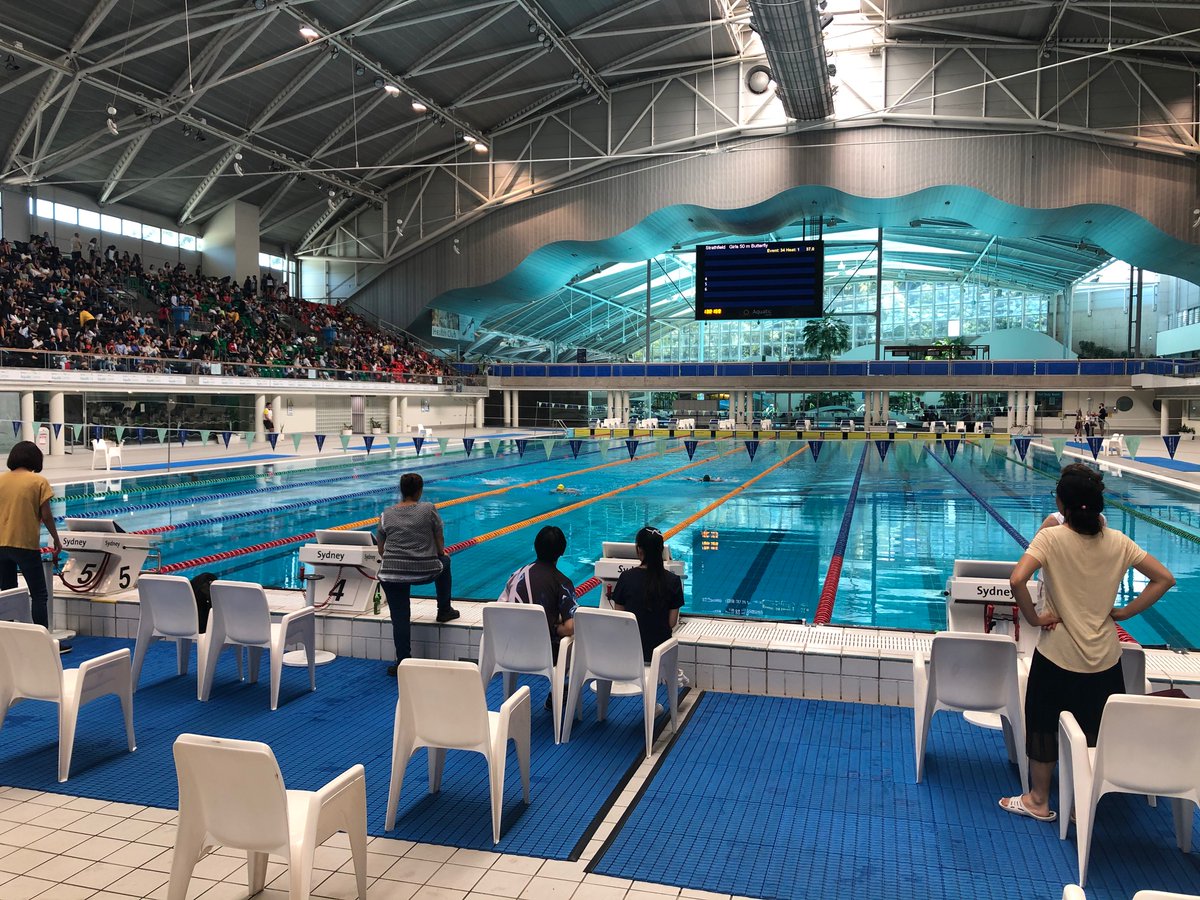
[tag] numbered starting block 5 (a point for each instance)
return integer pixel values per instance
(102, 560)
(348, 565)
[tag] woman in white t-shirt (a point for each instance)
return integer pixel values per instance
(1077, 665)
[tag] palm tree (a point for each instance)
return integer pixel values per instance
(826, 338)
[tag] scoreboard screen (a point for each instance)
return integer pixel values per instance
(760, 280)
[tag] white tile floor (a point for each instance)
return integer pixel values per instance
(59, 847)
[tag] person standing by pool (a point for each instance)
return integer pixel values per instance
(1078, 424)
(24, 507)
(412, 544)
(650, 592)
(1077, 664)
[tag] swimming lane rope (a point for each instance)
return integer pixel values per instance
(834, 575)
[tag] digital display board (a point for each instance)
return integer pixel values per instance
(760, 280)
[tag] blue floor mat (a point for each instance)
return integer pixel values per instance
(1166, 462)
(817, 799)
(316, 736)
(179, 463)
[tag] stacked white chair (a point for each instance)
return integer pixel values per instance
(30, 669)
(15, 606)
(1075, 892)
(608, 648)
(241, 618)
(442, 707)
(231, 793)
(516, 641)
(971, 673)
(167, 612)
(108, 453)
(1146, 745)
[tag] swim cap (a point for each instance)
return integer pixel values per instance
(560, 488)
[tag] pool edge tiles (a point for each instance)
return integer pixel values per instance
(757, 658)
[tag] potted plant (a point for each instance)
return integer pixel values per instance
(1184, 428)
(376, 426)
(346, 429)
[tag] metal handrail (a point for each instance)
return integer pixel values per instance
(166, 365)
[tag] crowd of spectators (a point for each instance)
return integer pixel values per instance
(67, 309)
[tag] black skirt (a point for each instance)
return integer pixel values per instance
(1053, 690)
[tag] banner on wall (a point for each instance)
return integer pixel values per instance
(451, 325)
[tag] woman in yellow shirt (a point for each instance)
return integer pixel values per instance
(24, 508)
(1077, 664)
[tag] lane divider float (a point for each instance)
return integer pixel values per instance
(834, 575)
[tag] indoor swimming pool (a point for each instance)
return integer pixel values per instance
(757, 541)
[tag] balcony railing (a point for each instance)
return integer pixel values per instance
(165, 365)
(1122, 368)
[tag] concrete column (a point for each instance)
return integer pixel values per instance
(278, 411)
(887, 406)
(260, 405)
(608, 405)
(27, 416)
(1012, 408)
(1164, 415)
(402, 426)
(393, 415)
(57, 441)
(1031, 411)
(479, 413)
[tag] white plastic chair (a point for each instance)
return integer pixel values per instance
(1075, 892)
(240, 617)
(516, 640)
(442, 707)
(1133, 668)
(971, 673)
(1146, 745)
(168, 612)
(15, 606)
(108, 453)
(608, 647)
(960, 427)
(231, 793)
(30, 669)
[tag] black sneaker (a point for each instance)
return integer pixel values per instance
(391, 670)
(64, 647)
(447, 616)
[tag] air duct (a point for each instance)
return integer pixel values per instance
(791, 36)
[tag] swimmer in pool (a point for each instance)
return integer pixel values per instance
(707, 479)
(496, 481)
(563, 489)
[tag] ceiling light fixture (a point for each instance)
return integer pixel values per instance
(360, 70)
(419, 107)
(112, 127)
(480, 147)
(454, 247)
(468, 138)
(391, 90)
(260, 5)
(309, 33)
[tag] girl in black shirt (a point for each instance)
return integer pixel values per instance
(650, 592)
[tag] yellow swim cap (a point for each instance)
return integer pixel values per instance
(560, 488)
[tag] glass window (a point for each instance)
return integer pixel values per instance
(131, 229)
(64, 213)
(276, 263)
(45, 209)
(111, 224)
(89, 219)
(170, 238)
(150, 233)
(199, 245)
(187, 242)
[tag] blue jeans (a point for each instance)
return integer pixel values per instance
(400, 609)
(30, 564)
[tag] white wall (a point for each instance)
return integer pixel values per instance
(323, 279)
(231, 241)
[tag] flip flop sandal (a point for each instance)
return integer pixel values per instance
(1017, 807)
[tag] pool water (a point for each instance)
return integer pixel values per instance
(763, 553)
